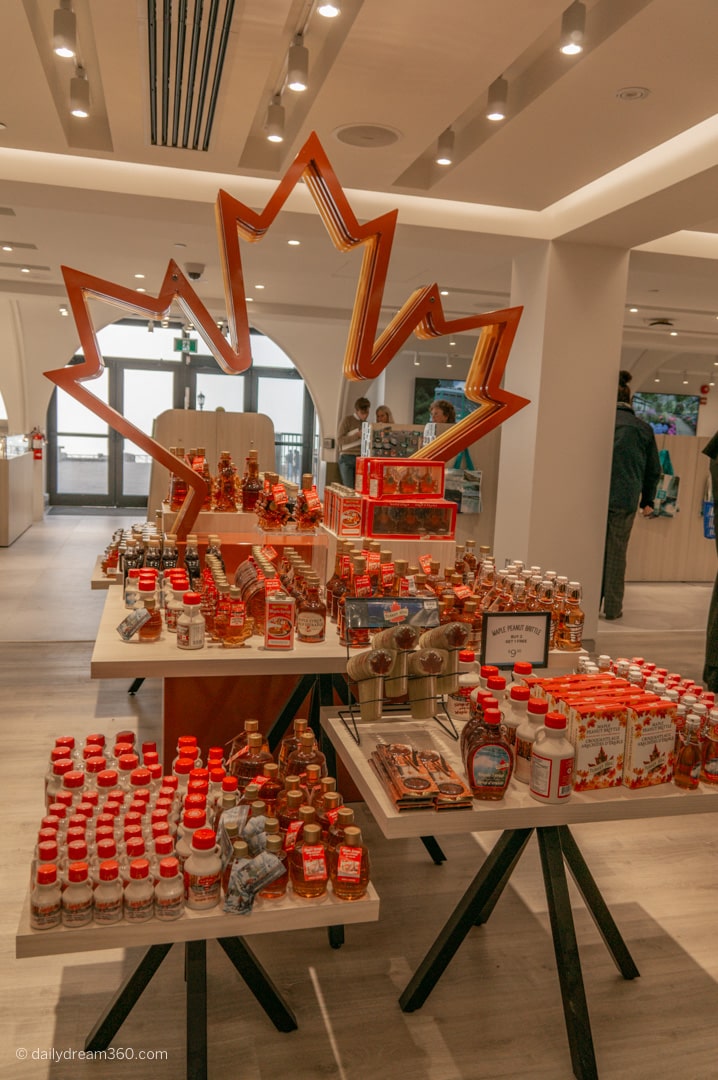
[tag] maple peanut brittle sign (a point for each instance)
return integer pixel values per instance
(367, 352)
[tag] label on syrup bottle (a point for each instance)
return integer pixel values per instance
(489, 766)
(348, 863)
(314, 862)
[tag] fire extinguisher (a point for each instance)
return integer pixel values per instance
(37, 439)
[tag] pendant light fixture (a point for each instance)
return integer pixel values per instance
(445, 148)
(274, 124)
(496, 102)
(64, 30)
(80, 94)
(298, 65)
(573, 29)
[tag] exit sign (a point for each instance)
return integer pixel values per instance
(188, 345)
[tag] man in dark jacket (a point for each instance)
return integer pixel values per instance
(710, 669)
(634, 477)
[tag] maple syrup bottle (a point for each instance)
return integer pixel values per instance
(289, 820)
(545, 598)
(687, 769)
(709, 757)
(311, 614)
(271, 786)
(570, 637)
(401, 580)
(289, 744)
(334, 581)
(291, 783)
(311, 784)
(471, 562)
(489, 761)
(152, 629)
(349, 866)
(344, 818)
(307, 753)
(327, 810)
(252, 485)
(308, 869)
(277, 888)
(559, 608)
(252, 763)
(178, 485)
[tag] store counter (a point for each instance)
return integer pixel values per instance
(518, 815)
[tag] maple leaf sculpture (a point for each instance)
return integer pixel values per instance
(366, 354)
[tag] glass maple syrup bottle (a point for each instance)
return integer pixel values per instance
(559, 607)
(306, 753)
(488, 759)
(386, 572)
(289, 744)
(252, 763)
(151, 630)
(178, 485)
(687, 768)
(545, 602)
(291, 783)
(349, 866)
(570, 636)
(310, 784)
(277, 888)
(251, 485)
(308, 868)
(360, 585)
(709, 756)
(344, 818)
(271, 786)
(471, 562)
(335, 581)
(311, 613)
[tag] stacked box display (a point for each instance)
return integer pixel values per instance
(391, 440)
(409, 520)
(385, 478)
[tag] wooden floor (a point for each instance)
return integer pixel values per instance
(497, 1011)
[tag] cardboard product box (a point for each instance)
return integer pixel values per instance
(387, 478)
(598, 734)
(650, 745)
(397, 520)
(360, 478)
(346, 513)
(391, 440)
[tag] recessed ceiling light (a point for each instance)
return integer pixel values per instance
(249, 299)
(329, 11)
(139, 275)
(633, 311)
(63, 310)
(140, 290)
(445, 148)
(452, 343)
(8, 247)
(674, 333)
(444, 292)
(259, 286)
(632, 93)
(294, 243)
(656, 379)
(179, 244)
(24, 269)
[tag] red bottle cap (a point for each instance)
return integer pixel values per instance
(62, 767)
(555, 720)
(135, 847)
(47, 851)
(169, 867)
(77, 871)
(112, 807)
(488, 671)
(467, 656)
(186, 740)
(199, 774)
(91, 750)
(164, 844)
(46, 834)
(50, 821)
(64, 798)
(139, 868)
(126, 737)
(58, 753)
(140, 778)
(198, 787)
(537, 705)
(96, 765)
(109, 870)
(215, 752)
(155, 771)
(230, 783)
(73, 779)
(192, 599)
(150, 757)
(133, 818)
(523, 667)
(96, 740)
(195, 802)
(84, 809)
(58, 809)
(127, 762)
(194, 819)
(496, 682)
(46, 874)
(160, 828)
(149, 747)
(75, 834)
(520, 693)
(77, 850)
(183, 766)
(65, 740)
(217, 775)
(91, 797)
(106, 848)
(204, 839)
(170, 782)
(132, 832)
(492, 718)
(107, 778)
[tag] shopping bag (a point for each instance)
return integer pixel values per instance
(665, 503)
(709, 524)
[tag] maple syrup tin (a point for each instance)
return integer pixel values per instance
(279, 625)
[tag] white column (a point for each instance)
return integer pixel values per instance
(555, 464)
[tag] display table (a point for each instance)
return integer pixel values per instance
(206, 691)
(519, 816)
(100, 580)
(193, 930)
(16, 487)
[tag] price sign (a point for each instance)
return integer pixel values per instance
(515, 635)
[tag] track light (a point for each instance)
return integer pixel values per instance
(298, 65)
(329, 11)
(64, 30)
(496, 103)
(445, 148)
(150, 327)
(685, 378)
(274, 124)
(573, 29)
(80, 94)
(63, 311)
(165, 322)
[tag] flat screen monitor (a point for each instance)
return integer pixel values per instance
(668, 414)
(428, 390)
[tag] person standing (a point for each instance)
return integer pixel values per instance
(384, 415)
(349, 440)
(635, 472)
(710, 666)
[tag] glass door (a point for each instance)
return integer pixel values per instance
(79, 450)
(145, 393)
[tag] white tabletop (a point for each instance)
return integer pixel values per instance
(517, 810)
(267, 916)
(113, 658)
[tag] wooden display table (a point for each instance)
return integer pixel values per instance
(193, 930)
(519, 816)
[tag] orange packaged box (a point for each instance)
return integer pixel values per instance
(598, 733)
(342, 511)
(392, 478)
(650, 745)
(279, 624)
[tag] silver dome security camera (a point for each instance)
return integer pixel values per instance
(194, 270)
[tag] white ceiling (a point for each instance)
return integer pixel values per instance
(572, 160)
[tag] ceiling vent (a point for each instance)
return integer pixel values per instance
(660, 322)
(187, 48)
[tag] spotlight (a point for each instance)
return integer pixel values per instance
(64, 30)
(63, 311)
(274, 124)
(329, 11)
(445, 148)
(298, 65)
(496, 104)
(573, 29)
(150, 327)
(80, 95)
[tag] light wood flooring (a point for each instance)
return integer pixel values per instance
(497, 1011)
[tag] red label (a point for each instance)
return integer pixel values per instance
(346, 566)
(279, 494)
(462, 592)
(404, 586)
(387, 574)
(425, 563)
(348, 863)
(362, 585)
(314, 862)
(312, 499)
(272, 585)
(290, 837)
(269, 551)
(237, 614)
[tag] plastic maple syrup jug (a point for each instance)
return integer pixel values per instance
(552, 757)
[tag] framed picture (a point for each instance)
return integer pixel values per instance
(509, 636)
(451, 390)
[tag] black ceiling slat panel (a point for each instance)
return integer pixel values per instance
(206, 65)
(152, 58)
(192, 72)
(179, 66)
(166, 61)
(219, 69)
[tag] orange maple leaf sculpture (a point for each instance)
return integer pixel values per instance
(366, 354)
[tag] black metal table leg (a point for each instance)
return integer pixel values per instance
(573, 994)
(196, 1020)
(492, 900)
(259, 983)
(478, 894)
(126, 997)
(596, 905)
(336, 936)
(136, 684)
(434, 848)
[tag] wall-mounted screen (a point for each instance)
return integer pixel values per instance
(428, 390)
(668, 414)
